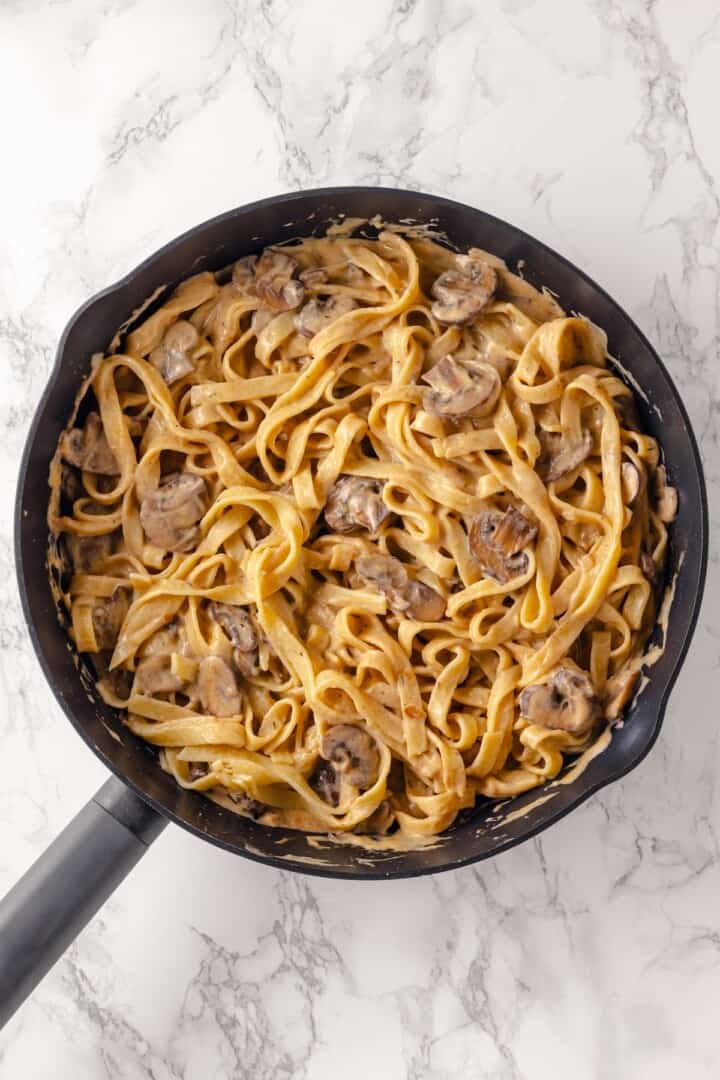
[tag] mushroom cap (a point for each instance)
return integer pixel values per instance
(497, 540)
(87, 448)
(631, 482)
(108, 615)
(356, 503)
(317, 314)
(461, 389)
(172, 357)
(566, 702)
(353, 753)
(217, 687)
(405, 596)
(562, 454)
(274, 281)
(169, 515)
(464, 291)
(239, 627)
(666, 497)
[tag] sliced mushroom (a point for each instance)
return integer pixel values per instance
(356, 502)
(154, 675)
(461, 389)
(561, 454)
(666, 497)
(108, 616)
(275, 284)
(317, 314)
(379, 822)
(243, 275)
(326, 783)
(566, 702)
(497, 540)
(87, 448)
(169, 515)
(618, 692)
(88, 553)
(238, 625)
(353, 753)
(464, 291)
(197, 770)
(648, 567)
(217, 687)
(631, 482)
(173, 357)
(405, 596)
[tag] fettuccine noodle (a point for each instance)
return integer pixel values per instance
(359, 532)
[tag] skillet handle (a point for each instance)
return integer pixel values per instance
(46, 910)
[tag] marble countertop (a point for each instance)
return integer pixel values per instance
(590, 952)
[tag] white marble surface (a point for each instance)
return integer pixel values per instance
(591, 952)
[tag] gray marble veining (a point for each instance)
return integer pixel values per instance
(591, 952)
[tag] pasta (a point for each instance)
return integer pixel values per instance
(359, 531)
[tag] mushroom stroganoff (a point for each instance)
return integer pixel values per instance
(360, 530)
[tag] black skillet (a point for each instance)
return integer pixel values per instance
(65, 887)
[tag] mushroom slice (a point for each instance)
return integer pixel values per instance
(461, 389)
(317, 314)
(497, 540)
(87, 448)
(173, 357)
(217, 687)
(154, 675)
(108, 616)
(567, 702)
(631, 482)
(88, 553)
(618, 692)
(562, 455)
(405, 596)
(464, 291)
(353, 753)
(666, 497)
(169, 515)
(249, 807)
(275, 284)
(243, 275)
(238, 625)
(326, 783)
(356, 502)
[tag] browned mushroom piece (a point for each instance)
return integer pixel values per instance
(275, 284)
(353, 753)
(313, 275)
(356, 503)
(87, 448)
(317, 314)
(566, 702)
(497, 540)
(631, 482)
(169, 515)
(173, 356)
(197, 770)
(666, 497)
(326, 782)
(464, 291)
(88, 553)
(649, 569)
(562, 454)
(618, 692)
(217, 687)
(379, 822)
(108, 615)
(154, 675)
(461, 389)
(405, 596)
(239, 627)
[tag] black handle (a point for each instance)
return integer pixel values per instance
(60, 893)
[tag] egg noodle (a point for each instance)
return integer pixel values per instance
(350, 553)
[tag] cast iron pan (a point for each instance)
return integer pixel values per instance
(49, 906)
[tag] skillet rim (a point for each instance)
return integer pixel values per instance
(386, 869)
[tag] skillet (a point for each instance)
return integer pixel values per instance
(58, 895)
